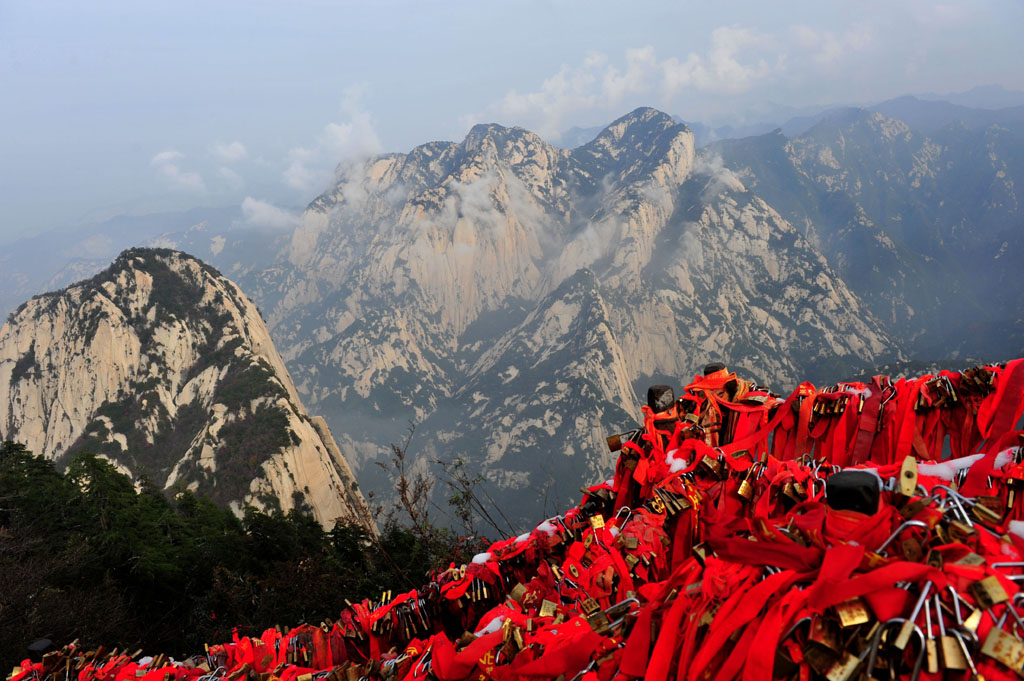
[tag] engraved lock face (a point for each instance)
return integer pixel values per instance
(597, 522)
(852, 612)
(590, 606)
(657, 505)
(547, 608)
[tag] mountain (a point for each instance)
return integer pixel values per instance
(509, 296)
(918, 225)
(219, 235)
(928, 116)
(164, 367)
(982, 97)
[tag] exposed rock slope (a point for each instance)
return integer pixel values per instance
(507, 295)
(166, 368)
(920, 226)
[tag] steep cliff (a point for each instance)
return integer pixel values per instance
(166, 368)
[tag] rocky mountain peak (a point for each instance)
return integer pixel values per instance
(164, 367)
(645, 144)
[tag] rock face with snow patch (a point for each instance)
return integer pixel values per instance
(165, 368)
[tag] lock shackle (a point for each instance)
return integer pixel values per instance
(795, 625)
(904, 526)
(959, 635)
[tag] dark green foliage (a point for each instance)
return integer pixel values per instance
(25, 364)
(83, 555)
(247, 443)
(242, 384)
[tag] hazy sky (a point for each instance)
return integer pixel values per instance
(136, 106)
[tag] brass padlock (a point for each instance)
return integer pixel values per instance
(1004, 647)
(852, 612)
(823, 632)
(912, 550)
(844, 668)
(989, 592)
(589, 606)
(599, 622)
(745, 490)
(517, 592)
(961, 532)
(547, 609)
(820, 658)
(908, 476)
(971, 559)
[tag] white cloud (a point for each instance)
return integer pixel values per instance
(722, 68)
(169, 156)
(716, 177)
(264, 214)
(167, 164)
(827, 48)
(727, 66)
(232, 152)
(737, 63)
(311, 168)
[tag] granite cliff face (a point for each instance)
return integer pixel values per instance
(165, 368)
(509, 296)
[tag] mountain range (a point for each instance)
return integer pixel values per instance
(511, 298)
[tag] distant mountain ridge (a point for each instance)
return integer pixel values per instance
(919, 225)
(165, 368)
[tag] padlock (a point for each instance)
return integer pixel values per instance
(908, 476)
(589, 606)
(844, 668)
(989, 592)
(1004, 647)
